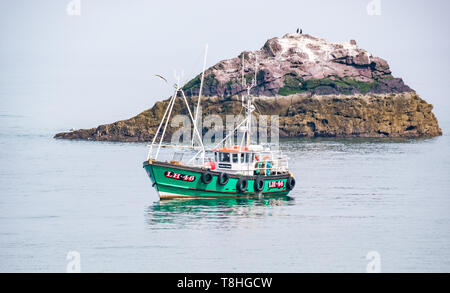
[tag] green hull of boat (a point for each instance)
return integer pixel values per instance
(178, 181)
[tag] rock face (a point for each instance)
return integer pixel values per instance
(298, 63)
(371, 115)
(318, 89)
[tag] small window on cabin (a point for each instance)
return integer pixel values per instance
(247, 156)
(242, 158)
(253, 158)
(235, 158)
(225, 157)
(215, 156)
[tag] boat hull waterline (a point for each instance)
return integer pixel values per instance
(180, 181)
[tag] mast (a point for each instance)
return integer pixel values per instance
(200, 92)
(249, 106)
(245, 124)
(166, 118)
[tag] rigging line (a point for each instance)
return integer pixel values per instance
(191, 74)
(159, 127)
(167, 121)
(217, 145)
(240, 111)
(257, 109)
(192, 118)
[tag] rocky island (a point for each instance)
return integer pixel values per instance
(318, 88)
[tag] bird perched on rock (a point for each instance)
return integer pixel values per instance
(299, 31)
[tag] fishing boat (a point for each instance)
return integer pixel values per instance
(227, 169)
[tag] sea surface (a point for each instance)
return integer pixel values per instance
(355, 199)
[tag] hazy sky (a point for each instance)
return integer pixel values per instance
(66, 71)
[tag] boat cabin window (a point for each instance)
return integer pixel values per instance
(247, 156)
(215, 157)
(242, 158)
(225, 157)
(235, 158)
(253, 158)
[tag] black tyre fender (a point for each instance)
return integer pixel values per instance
(242, 184)
(259, 184)
(290, 183)
(206, 177)
(223, 178)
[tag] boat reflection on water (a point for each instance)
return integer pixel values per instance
(194, 213)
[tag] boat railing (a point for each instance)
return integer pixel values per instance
(272, 166)
(278, 165)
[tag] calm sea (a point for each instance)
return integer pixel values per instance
(353, 197)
